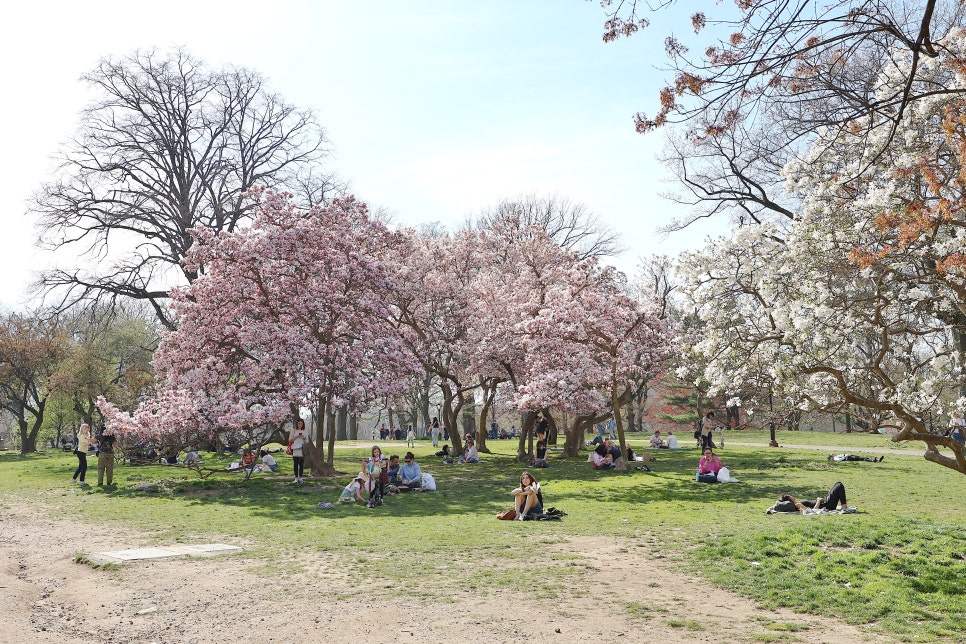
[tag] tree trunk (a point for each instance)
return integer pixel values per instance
(468, 417)
(578, 429)
(489, 393)
(314, 452)
(424, 405)
(342, 418)
(353, 427)
(450, 410)
(526, 435)
(551, 428)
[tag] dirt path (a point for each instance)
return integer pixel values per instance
(48, 598)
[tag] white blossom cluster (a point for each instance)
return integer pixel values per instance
(861, 299)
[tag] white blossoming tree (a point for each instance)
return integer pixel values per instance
(861, 299)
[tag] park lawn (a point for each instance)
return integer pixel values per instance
(842, 440)
(898, 563)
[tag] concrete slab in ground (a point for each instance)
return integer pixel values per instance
(137, 554)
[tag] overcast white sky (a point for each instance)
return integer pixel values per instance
(435, 109)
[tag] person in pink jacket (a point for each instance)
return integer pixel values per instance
(710, 463)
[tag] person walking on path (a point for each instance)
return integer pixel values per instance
(410, 436)
(83, 443)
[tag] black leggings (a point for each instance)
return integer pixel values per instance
(377, 491)
(835, 496)
(299, 463)
(81, 470)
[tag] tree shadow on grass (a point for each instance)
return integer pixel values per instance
(485, 488)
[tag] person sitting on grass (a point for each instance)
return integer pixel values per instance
(709, 463)
(248, 460)
(541, 455)
(831, 501)
(353, 491)
(852, 457)
(527, 499)
(672, 440)
(192, 457)
(268, 461)
(470, 454)
(393, 470)
(602, 458)
(410, 474)
(614, 449)
(656, 441)
(171, 457)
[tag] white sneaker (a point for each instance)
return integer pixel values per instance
(73, 481)
(519, 517)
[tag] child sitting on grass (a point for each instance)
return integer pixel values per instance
(353, 491)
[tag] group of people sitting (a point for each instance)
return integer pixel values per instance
(248, 461)
(658, 442)
(470, 454)
(606, 455)
(380, 477)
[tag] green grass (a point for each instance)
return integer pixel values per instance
(899, 564)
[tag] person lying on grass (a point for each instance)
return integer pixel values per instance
(853, 457)
(527, 499)
(831, 501)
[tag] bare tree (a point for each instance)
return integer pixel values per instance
(168, 145)
(569, 224)
(772, 75)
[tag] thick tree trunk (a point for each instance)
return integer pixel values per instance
(452, 404)
(526, 436)
(342, 417)
(314, 452)
(551, 428)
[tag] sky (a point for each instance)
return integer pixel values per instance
(435, 110)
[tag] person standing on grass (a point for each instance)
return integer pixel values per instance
(297, 441)
(83, 442)
(706, 426)
(410, 436)
(434, 431)
(105, 456)
(374, 467)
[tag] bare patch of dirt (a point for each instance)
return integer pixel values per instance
(48, 597)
